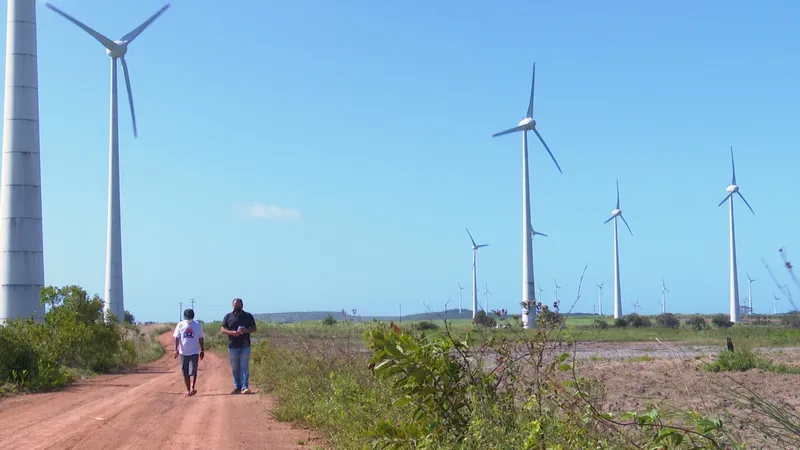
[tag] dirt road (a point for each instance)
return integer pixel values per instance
(146, 409)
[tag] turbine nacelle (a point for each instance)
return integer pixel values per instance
(616, 213)
(119, 50)
(732, 189)
(528, 123)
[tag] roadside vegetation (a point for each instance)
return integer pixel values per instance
(74, 340)
(438, 385)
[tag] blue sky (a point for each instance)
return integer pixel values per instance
(367, 125)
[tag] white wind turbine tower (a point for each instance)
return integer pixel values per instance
(113, 293)
(600, 297)
(556, 287)
(750, 292)
(664, 291)
(775, 299)
(525, 125)
(734, 189)
(21, 242)
(460, 288)
(540, 289)
(475, 248)
(617, 212)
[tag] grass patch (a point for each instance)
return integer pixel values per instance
(744, 359)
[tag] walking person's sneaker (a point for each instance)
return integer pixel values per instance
(235, 391)
(246, 391)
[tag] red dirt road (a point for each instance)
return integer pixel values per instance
(146, 409)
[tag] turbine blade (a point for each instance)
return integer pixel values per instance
(540, 234)
(130, 93)
(470, 237)
(725, 199)
(548, 149)
(745, 202)
(483, 245)
(533, 84)
(509, 131)
(609, 219)
(107, 43)
(138, 30)
(626, 224)
(617, 193)
(733, 168)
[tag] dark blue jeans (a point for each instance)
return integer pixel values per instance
(240, 366)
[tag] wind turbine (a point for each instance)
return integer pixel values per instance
(526, 124)
(540, 290)
(734, 189)
(486, 294)
(617, 212)
(475, 248)
(600, 297)
(556, 288)
(750, 291)
(775, 299)
(460, 288)
(664, 291)
(113, 294)
(636, 307)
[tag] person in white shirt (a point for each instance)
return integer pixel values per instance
(190, 347)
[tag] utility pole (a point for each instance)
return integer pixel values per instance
(180, 311)
(192, 304)
(401, 313)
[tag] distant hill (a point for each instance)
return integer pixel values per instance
(312, 316)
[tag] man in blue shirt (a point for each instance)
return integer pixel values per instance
(238, 325)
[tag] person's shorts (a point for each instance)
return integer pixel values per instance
(189, 365)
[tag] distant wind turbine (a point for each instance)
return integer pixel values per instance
(525, 125)
(475, 248)
(775, 299)
(113, 294)
(664, 291)
(460, 288)
(486, 294)
(750, 291)
(734, 189)
(540, 289)
(600, 297)
(617, 212)
(556, 287)
(636, 307)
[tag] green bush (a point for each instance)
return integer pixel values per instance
(425, 325)
(74, 335)
(696, 322)
(668, 320)
(721, 321)
(620, 322)
(329, 320)
(638, 321)
(483, 320)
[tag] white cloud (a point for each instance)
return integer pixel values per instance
(257, 210)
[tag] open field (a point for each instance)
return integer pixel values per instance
(631, 369)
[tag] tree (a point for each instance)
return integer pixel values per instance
(329, 320)
(129, 318)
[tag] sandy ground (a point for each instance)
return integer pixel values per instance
(146, 409)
